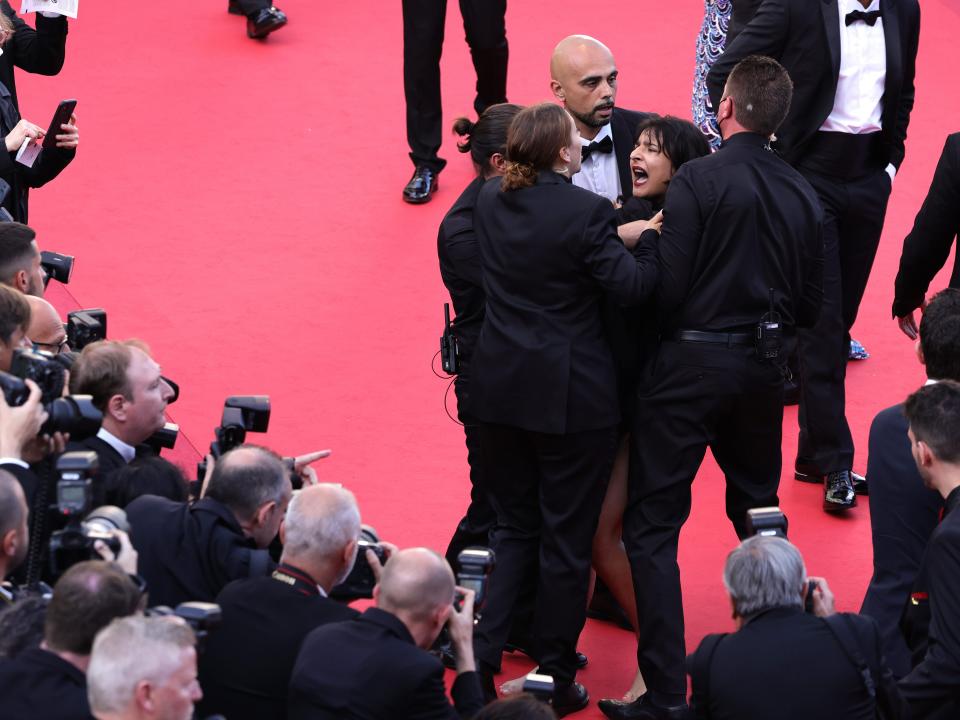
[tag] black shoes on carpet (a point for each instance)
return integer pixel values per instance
(262, 22)
(641, 709)
(840, 488)
(421, 187)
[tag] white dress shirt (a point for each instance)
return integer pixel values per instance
(127, 452)
(599, 173)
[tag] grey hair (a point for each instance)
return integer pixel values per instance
(129, 651)
(764, 573)
(321, 521)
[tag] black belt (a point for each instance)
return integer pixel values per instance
(728, 339)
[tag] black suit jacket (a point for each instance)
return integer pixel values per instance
(804, 36)
(933, 687)
(40, 51)
(370, 669)
(549, 252)
(741, 13)
(903, 514)
(190, 552)
(246, 665)
(787, 664)
(623, 127)
(926, 248)
(39, 684)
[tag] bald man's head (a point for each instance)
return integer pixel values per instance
(13, 524)
(45, 328)
(583, 76)
(416, 583)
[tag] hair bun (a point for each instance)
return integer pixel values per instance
(464, 128)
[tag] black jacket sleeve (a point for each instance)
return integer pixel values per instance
(911, 25)
(679, 243)
(40, 51)
(48, 165)
(926, 248)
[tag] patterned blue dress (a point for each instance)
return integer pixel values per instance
(710, 42)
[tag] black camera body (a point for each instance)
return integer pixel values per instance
(56, 266)
(476, 564)
(201, 616)
(449, 347)
(165, 437)
(74, 414)
(767, 521)
(361, 580)
(85, 327)
(44, 369)
(241, 414)
(75, 543)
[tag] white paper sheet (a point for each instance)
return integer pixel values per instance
(60, 7)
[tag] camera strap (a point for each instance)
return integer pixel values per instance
(296, 579)
(841, 626)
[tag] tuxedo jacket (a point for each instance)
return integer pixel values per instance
(41, 50)
(933, 687)
(191, 552)
(926, 248)
(246, 665)
(740, 15)
(804, 36)
(549, 252)
(370, 669)
(623, 128)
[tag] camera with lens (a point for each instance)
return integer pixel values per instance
(361, 580)
(201, 616)
(56, 266)
(75, 543)
(241, 414)
(767, 521)
(86, 326)
(74, 414)
(476, 563)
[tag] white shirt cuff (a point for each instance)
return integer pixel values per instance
(14, 461)
(50, 14)
(891, 171)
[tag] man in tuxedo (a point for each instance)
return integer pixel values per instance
(127, 387)
(926, 248)
(262, 17)
(41, 50)
(903, 512)
(192, 551)
(783, 662)
(584, 77)
(714, 384)
(484, 22)
(852, 63)
(49, 682)
(20, 259)
(931, 688)
(377, 667)
(247, 663)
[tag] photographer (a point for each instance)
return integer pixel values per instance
(49, 682)
(191, 551)
(14, 321)
(46, 330)
(20, 258)
(783, 662)
(377, 666)
(144, 667)
(14, 537)
(127, 387)
(247, 663)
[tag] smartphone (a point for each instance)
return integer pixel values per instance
(61, 116)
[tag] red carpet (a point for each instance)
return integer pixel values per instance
(237, 205)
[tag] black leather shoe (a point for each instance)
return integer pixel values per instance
(838, 494)
(573, 698)
(641, 709)
(421, 186)
(233, 7)
(263, 22)
(808, 473)
(582, 659)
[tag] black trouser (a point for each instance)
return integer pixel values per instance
(423, 25)
(694, 396)
(478, 522)
(853, 220)
(248, 7)
(547, 491)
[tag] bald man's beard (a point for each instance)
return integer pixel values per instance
(591, 119)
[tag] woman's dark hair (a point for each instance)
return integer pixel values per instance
(534, 141)
(150, 476)
(680, 140)
(488, 135)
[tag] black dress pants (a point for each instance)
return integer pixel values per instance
(477, 524)
(423, 25)
(853, 220)
(695, 395)
(547, 491)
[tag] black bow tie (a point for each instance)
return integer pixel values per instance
(604, 146)
(870, 18)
